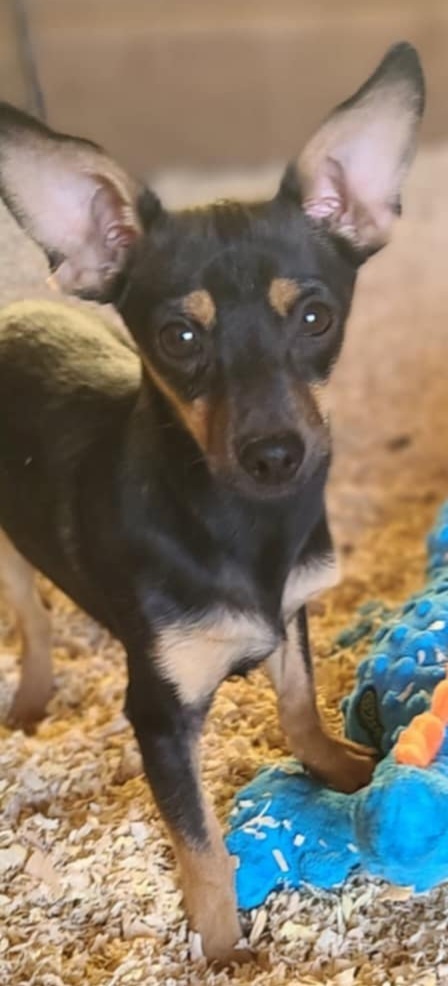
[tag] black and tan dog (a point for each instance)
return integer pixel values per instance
(177, 494)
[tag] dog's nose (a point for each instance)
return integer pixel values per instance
(274, 460)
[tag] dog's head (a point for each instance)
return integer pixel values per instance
(238, 309)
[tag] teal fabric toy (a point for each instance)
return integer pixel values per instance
(286, 829)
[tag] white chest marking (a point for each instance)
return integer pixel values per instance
(196, 657)
(306, 581)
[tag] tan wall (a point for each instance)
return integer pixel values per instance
(169, 82)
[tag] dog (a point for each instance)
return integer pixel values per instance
(174, 488)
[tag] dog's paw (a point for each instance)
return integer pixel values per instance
(235, 957)
(346, 766)
(219, 955)
(244, 955)
(27, 710)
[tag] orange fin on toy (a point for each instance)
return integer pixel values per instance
(439, 704)
(419, 743)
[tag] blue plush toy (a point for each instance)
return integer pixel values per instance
(287, 829)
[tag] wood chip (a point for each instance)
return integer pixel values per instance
(12, 858)
(394, 892)
(135, 927)
(293, 931)
(258, 926)
(195, 942)
(346, 977)
(41, 868)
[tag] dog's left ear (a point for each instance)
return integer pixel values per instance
(349, 175)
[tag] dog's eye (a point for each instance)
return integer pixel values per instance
(317, 317)
(180, 341)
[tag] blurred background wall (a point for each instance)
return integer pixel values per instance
(208, 83)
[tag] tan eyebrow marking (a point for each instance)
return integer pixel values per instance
(200, 305)
(283, 292)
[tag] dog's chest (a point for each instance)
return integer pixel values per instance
(306, 581)
(197, 655)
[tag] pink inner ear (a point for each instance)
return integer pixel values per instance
(337, 198)
(110, 228)
(112, 217)
(328, 198)
(120, 235)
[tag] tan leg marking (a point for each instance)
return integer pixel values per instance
(195, 657)
(36, 680)
(339, 763)
(207, 877)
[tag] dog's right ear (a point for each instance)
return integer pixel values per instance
(77, 203)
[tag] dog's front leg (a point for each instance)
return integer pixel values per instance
(339, 763)
(168, 736)
(17, 581)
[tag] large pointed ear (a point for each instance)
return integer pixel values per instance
(351, 172)
(71, 198)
